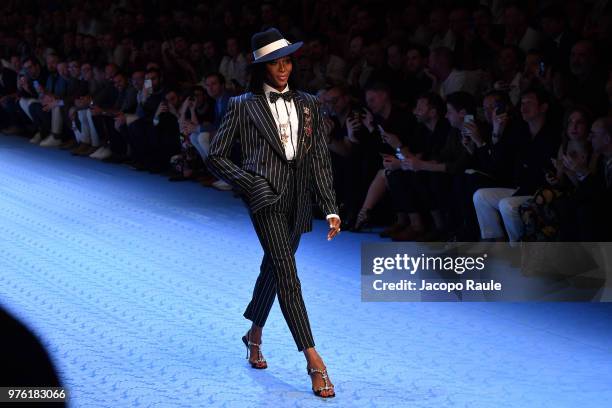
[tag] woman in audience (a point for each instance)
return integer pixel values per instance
(575, 146)
(545, 213)
(187, 160)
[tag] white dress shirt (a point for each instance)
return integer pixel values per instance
(279, 112)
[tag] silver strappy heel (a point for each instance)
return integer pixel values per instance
(260, 363)
(324, 376)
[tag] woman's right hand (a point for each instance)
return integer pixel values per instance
(352, 126)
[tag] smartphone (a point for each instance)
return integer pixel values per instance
(465, 132)
(36, 84)
(148, 84)
(542, 69)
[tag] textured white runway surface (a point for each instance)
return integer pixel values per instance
(137, 286)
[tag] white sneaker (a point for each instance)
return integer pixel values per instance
(102, 153)
(36, 139)
(95, 154)
(106, 153)
(50, 141)
(221, 185)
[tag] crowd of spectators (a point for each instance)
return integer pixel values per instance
(446, 120)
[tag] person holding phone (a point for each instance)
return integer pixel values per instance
(492, 154)
(387, 130)
(284, 156)
(141, 131)
(409, 189)
(442, 162)
(497, 208)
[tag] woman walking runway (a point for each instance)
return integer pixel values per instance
(284, 161)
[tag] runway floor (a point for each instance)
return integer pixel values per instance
(137, 287)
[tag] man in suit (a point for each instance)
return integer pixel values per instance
(283, 159)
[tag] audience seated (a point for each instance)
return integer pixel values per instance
(497, 208)
(443, 119)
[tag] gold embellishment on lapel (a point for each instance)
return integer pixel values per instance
(307, 128)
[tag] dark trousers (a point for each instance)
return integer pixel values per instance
(41, 119)
(275, 228)
(419, 191)
(137, 139)
(11, 114)
(152, 145)
(355, 176)
(425, 191)
(464, 187)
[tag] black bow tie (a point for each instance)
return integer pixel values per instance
(285, 95)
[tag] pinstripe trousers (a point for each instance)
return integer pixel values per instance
(275, 228)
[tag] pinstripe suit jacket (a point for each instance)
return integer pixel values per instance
(264, 170)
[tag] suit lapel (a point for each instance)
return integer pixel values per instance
(299, 107)
(259, 110)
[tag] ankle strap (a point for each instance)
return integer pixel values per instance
(322, 371)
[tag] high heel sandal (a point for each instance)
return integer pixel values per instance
(260, 363)
(324, 376)
(363, 219)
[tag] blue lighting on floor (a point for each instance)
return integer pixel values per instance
(136, 286)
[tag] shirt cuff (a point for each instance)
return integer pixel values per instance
(332, 216)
